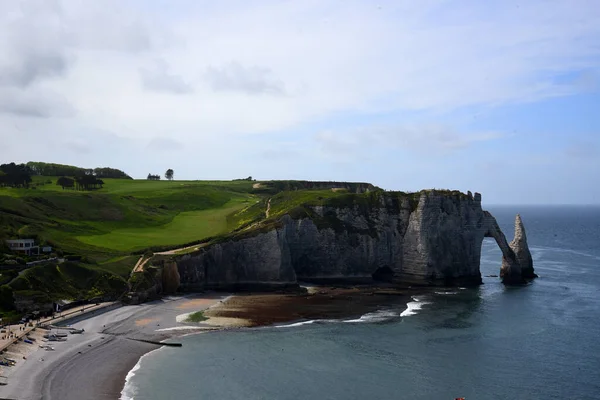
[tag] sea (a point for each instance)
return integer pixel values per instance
(539, 341)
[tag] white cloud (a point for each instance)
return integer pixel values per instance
(250, 80)
(421, 139)
(328, 57)
(162, 144)
(280, 67)
(158, 78)
(37, 103)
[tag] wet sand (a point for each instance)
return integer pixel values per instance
(251, 310)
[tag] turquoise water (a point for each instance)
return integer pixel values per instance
(541, 341)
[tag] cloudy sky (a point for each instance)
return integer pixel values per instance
(501, 97)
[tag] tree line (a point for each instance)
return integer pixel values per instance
(169, 174)
(50, 169)
(81, 182)
(15, 175)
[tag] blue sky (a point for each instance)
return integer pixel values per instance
(499, 97)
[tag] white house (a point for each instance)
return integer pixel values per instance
(23, 245)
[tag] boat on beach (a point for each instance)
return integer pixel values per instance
(53, 338)
(58, 335)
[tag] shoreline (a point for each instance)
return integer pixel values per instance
(102, 361)
(97, 362)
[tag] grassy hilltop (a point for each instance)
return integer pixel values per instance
(124, 216)
(104, 231)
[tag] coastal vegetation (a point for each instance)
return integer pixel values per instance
(197, 316)
(103, 232)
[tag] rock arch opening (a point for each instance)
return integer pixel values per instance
(517, 264)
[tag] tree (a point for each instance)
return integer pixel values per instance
(65, 182)
(88, 182)
(15, 175)
(169, 174)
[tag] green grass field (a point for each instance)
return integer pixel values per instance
(110, 227)
(124, 216)
(185, 227)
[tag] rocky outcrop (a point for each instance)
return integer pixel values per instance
(429, 238)
(519, 268)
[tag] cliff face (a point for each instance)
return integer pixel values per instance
(255, 262)
(435, 239)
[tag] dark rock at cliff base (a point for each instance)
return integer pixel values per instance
(518, 269)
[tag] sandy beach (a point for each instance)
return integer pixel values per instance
(94, 365)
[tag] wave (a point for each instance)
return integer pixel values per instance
(446, 293)
(377, 316)
(129, 391)
(413, 306)
(312, 321)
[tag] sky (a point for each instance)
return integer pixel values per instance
(499, 97)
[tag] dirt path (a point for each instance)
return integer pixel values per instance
(175, 251)
(139, 266)
(268, 208)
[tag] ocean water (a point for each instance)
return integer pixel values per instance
(540, 341)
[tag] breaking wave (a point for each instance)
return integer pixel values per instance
(377, 316)
(413, 306)
(129, 391)
(312, 321)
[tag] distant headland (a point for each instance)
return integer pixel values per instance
(113, 237)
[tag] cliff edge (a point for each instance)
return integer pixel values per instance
(430, 238)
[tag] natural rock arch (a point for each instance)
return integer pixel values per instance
(517, 264)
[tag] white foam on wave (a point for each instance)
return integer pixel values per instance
(129, 391)
(447, 293)
(377, 316)
(312, 321)
(413, 306)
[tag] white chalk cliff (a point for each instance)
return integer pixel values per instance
(431, 238)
